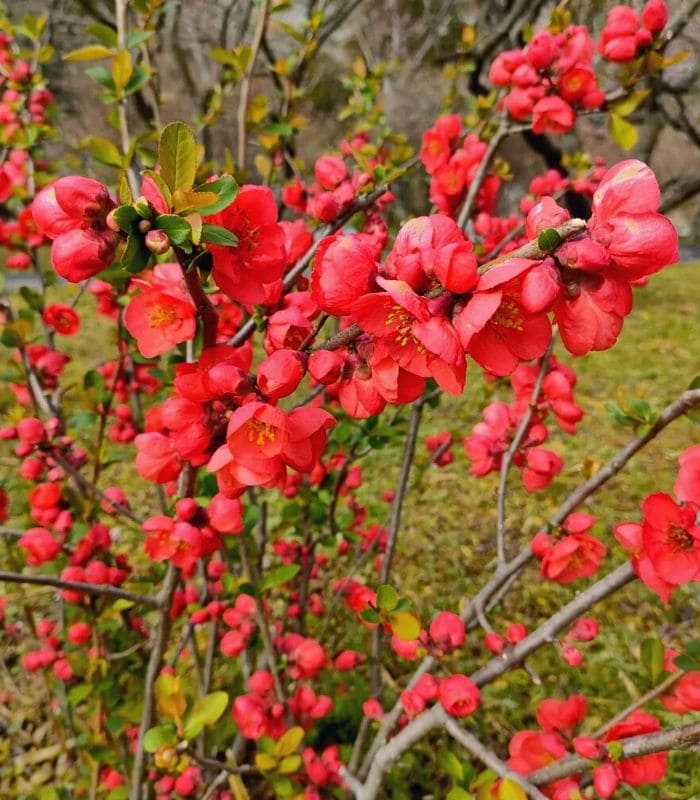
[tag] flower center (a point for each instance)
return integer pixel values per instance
(161, 316)
(401, 322)
(679, 539)
(261, 432)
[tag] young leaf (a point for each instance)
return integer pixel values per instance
(226, 190)
(126, 217)
(405, 625)
(169, 696)
(104, 33)
(206, 711)
(387, 598)
(177, 228)
(136, 255)
(652, 652)
(122, 67)
(215, 234)
(279, 575)
(289, 742)
(157, 737)
(104, 151)
(177, 156)
(623, 132)
(90, 52)
(509, 790)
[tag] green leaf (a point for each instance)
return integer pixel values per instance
(370, 615)
(289, 764)
(177, 156)
(387, 598)
(158, 736)
(279, 575)
(104, 33)
(457, 793)
(177, 228)
(104, 151)
(120, 793)
(627, 105)
(623, 133)
(450, 764)
(616, 750)
(122, 69)
(90, 52)
(225, 187)
(652, 652)
(79, 693)
(548, 240)
(215, 234)
(289, 742)
(405, 626)
(206, 711)
(126, 217)
(686, 663)
(138, 37)
(136, 255)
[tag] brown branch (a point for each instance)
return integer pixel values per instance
(490, 759)
(98, 589)
(394, 526)
(388, 753)
(205, 309)
(682, 738)
(513, 449)
(160, 643)
(242, 113)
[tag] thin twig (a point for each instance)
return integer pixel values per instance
(160, 642)
(97, 589)
(242, 115)
(507, 459)
(490, 759)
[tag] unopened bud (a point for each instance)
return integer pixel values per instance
(157, 242)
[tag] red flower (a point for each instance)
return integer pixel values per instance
(573, 557)
(458, 695)
(344, 269)
(630, 536)
(39, 545)
(561, 715)
(494, 327)
(163, 315)
(168, 540)
(552, 114)
(63, 319)
(671, 539)
(433, 248)
(419, 340)
(260, 256)
(157, 459)
(687, 487)
(530, 750)
(645, 769)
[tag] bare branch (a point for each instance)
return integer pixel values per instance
(97, 589)
(490, 759)
(681, 738)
